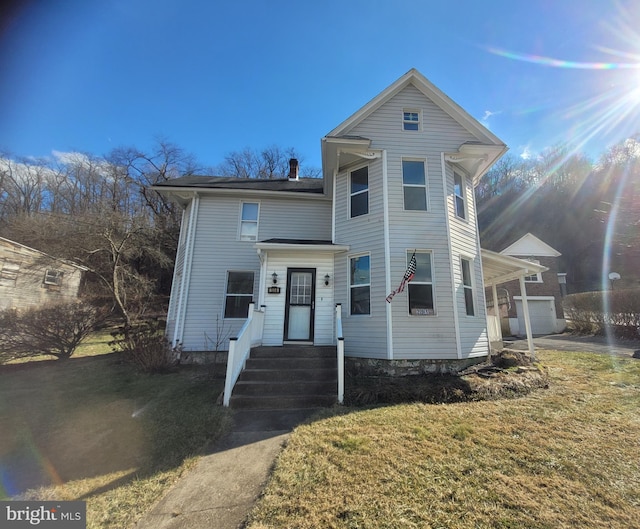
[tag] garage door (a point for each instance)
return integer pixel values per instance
(542, 314)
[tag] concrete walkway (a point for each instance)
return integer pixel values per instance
(571, 342)
(223, 487)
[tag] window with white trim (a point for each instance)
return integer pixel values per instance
(53, 277)
(414, 185)
(420, 288)
(410, 119)
(467, 285)
(360, 284)
(533, 278)
(249, 221)
(359, 191)
(239, 294)
(459, 192)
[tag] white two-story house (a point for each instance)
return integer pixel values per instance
(398, 180)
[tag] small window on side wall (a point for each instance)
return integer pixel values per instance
(53, 277)
(410, 119)
(533, 278)
(239, 294)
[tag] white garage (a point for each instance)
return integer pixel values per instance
(542, 314)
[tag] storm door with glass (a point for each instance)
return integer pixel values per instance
(300, 304)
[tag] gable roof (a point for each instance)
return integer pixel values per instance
(529, 244)
(474, 157)
(16, 245)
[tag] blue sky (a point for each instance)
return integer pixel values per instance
(215, 77)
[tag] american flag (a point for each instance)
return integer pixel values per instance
(408, 276)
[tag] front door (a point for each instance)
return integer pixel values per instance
(300, 304)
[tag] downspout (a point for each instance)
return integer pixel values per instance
(387, 253)
(454, 298)
(186, 276)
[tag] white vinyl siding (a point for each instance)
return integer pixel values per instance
(217, 248)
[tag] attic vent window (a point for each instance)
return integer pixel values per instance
(53, 277)
(411, 120)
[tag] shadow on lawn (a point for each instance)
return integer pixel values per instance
(94, 416)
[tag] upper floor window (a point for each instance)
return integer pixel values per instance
(238, 295)
(420, 288)
(414, 185)
(249, 221)
(53, 277)
(459, 192)
(467, 285)
(410, 119)
(533, 278)
(360, 284)
(359, 192)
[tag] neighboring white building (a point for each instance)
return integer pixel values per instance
(398, 179)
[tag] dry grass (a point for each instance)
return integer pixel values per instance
(93, 429)
(562, 457)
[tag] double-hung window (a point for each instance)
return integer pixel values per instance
(459, 192)
(533, 278)
(359, 191)
(421, 302)
(239, 294)
(360, 284)
(249, 221)
(467, 285)
(414, 185)
(410, 119)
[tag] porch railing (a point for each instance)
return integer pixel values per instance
(250, 335)
(340, 349)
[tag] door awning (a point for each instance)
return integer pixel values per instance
(298, 245)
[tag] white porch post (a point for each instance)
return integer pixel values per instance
(525, 314)
(496, 309)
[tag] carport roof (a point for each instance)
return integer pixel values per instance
(498, 268)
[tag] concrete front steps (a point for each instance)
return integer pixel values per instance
(288, 377)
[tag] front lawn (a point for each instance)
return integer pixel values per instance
(567, 456)
(91, 428)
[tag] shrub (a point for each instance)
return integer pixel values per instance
(596, 312)
(145, 346)
(55, 330)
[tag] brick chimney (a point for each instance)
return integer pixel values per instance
(293, 169)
